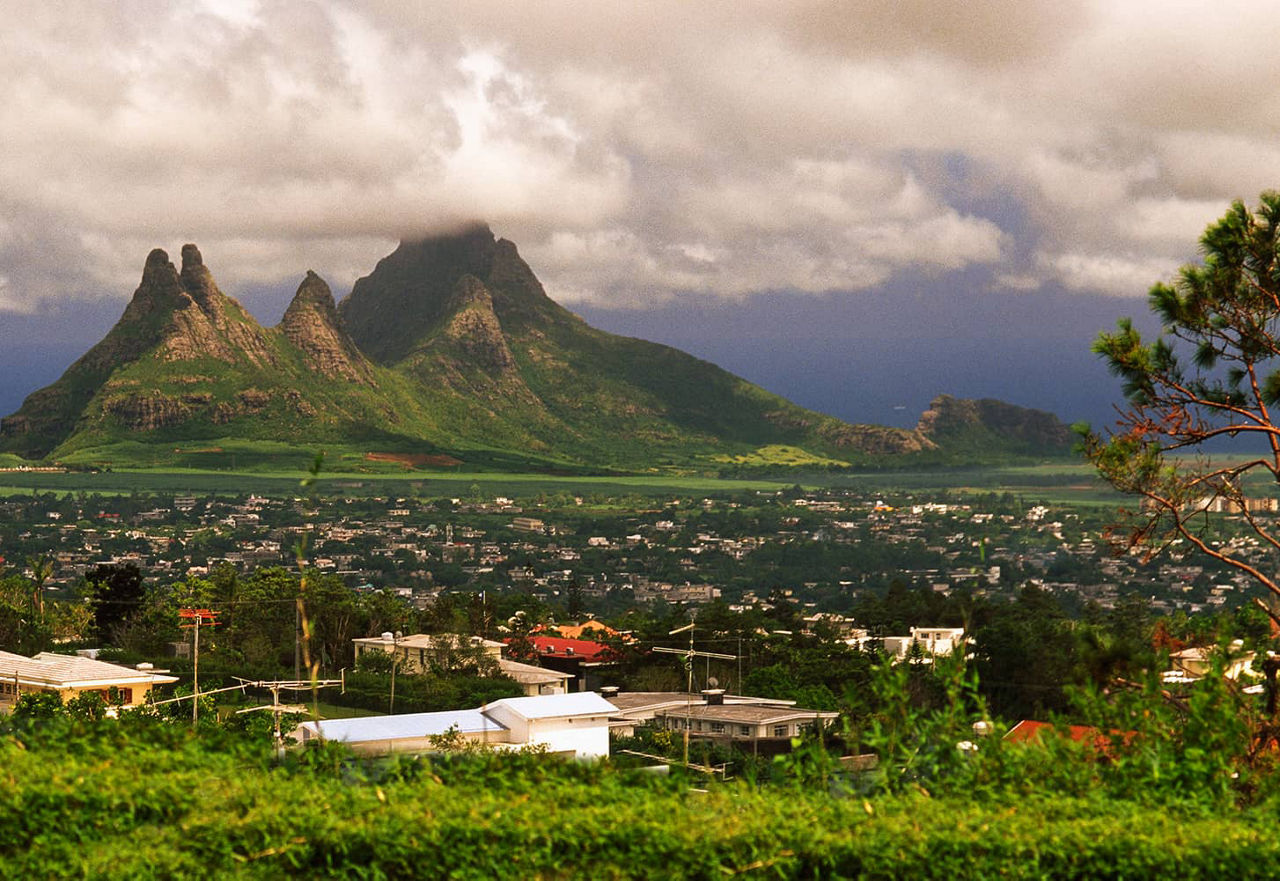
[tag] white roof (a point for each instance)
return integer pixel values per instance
(527, 674)
(582, 703)
(68, 671)
(403, 726)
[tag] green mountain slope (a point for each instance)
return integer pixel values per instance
(186, 364)
(450, 349)
(466, 318)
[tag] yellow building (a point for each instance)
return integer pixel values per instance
(70, 676)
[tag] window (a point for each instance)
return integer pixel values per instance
(779, 730)
(744, 730)
(717, 728)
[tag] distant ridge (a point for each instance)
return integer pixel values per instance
(451, 347)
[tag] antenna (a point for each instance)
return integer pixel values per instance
(689, 654)
(278, 709)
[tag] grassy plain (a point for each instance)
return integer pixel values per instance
(443, 483)
(1060, 482)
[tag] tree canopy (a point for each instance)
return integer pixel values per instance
(1198, 434)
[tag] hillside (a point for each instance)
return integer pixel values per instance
(448, 351)
(466, 318)
(186, 364)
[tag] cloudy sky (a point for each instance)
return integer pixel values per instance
(857, 203)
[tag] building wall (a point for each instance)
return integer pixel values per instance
(586, 737)
(133, 695)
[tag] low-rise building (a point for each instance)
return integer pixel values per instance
(70, 676)
(574, 725)
(420, 652)
(763, 726)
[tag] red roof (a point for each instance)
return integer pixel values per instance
(1029, 729)
(559, 647)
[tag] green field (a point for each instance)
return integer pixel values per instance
(288, 483)
(1066, 483)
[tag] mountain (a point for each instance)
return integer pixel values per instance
(449, 350)
(465, 318)
(963, 425)
(186, 363)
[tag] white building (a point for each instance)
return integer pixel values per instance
(931, 642)
(575, 725)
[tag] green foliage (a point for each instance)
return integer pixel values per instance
(1210, 376)
(375, 662)
(87, 705)
(422, 693)
(115, 593)
(38, 705)
(146, 799)
(917, 742)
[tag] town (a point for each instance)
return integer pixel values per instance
(828, 551)
(787, 598)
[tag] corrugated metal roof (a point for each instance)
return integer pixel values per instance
(404, 726)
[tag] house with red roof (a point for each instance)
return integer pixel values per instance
(583, 659)
(1029, 730)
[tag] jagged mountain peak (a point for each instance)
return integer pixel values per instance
(159, 291)
(411, 292)
(198, 280)
(312, 292)
(311, 323)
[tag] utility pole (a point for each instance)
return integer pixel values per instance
(297, 642)
(196, 617)
(395, 661)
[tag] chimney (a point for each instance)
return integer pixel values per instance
(714, 697)
(609, 692)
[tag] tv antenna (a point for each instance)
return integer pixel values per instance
(278, 709)
(689, 654)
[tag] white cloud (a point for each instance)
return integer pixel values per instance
(1119, 275)
(633, 151)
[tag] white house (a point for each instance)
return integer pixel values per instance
(930, 641)
(574, 725)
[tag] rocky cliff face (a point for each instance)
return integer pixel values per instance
(474, 328)
(311, 323)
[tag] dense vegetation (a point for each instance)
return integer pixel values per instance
(1178, 788)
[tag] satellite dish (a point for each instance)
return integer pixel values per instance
(713, 682)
